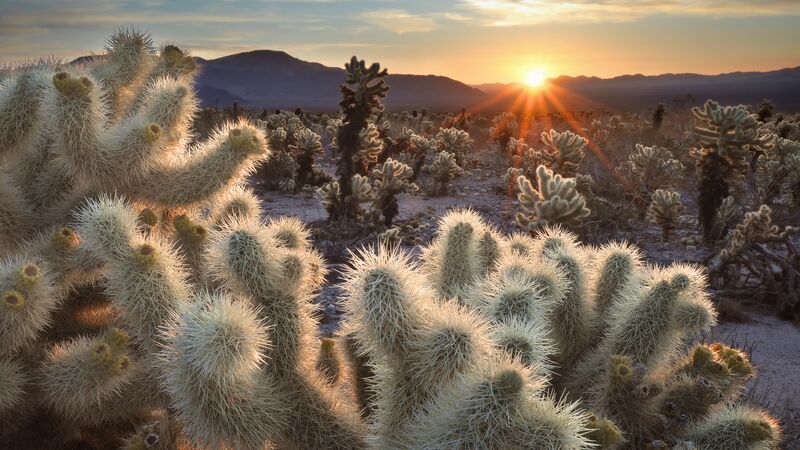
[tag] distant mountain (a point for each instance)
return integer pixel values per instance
(638, 92)
(274, 79)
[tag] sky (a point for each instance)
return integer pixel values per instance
(469, 40)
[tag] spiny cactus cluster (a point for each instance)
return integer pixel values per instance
(755, 229)
(357, 138)
(443, 168)
(455, 141)
(461, 346)
(336, 207)
(119, 124)
(665, 210)
(649, 169)
(502, 317)
(563, 152)
(504, 127)
(295, 147)
(729, 137)
(392, 179)
(778, 173)
(759, 259)
(555, 202)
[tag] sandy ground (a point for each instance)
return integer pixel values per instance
(774, 347)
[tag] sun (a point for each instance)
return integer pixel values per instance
(535, 78)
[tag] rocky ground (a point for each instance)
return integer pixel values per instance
(774, 344)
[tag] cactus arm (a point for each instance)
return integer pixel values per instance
(219, 164)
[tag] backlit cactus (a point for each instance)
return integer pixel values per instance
(308, 145)
(665, 210)
(504, 127)
(455, 141)
(619, 358)
(201, 331)
(756, 228)
(443, 169)
(563, 152)
(556, 201)
(356, 137)
(391, 180)
(649, 169)
(728, 136)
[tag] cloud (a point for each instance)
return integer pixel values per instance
(531, 12)
(398, 21)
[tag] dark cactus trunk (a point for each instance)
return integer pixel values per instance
(713, 189)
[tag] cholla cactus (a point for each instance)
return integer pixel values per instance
(504, 127)
(73, 151)
(731, 129)
(778, 172)
(360, 192)
(89, 131)
(555, 202)
(238, 365)
(371, 146)
(510, 180)
(443, 169)
(649, 169)
(729, 137)
(361, 96)
(665, 210)
(563, 152)
(455, 141)
(756, 228)
(286, 120)
(308, 144)
(392, 180)
(759, 259)
(281, 168)
(614, 325)
(726, 212)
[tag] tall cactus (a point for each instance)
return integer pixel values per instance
(361, 100)
(730, 137)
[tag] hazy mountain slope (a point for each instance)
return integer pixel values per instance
(274, 79)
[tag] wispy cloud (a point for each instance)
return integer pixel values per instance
(530, 12)
(398, 21)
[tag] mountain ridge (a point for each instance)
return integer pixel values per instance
(274, 79)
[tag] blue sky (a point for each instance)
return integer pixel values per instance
(473, 41)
